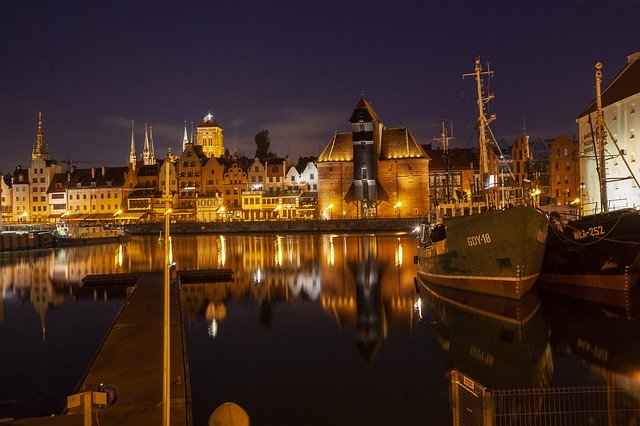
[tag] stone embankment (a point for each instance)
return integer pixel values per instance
(293, 226)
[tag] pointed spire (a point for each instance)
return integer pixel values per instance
(152, 154)
(132, 150)
(39, 149)
(185, 139)
(145, 147)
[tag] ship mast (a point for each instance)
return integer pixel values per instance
(483, 122)
(444, 139)
(601, 136)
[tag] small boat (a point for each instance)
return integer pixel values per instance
(489, 247)
(76, 234)
(600, 250)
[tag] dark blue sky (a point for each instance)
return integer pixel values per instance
(296, 68)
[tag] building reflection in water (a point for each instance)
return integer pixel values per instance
(363, 282)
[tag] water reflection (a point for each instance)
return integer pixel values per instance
(605, 338)
(345, 274)
(499, 342)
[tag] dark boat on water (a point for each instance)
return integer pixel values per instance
(487, 249)
(600, 250)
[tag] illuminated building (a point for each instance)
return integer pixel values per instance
(41, 172)
(235, 183)
(96, 193)
(621, 108)
(372, 171)
(20, 189)
(209, 137)
(6, 194)
(57, 194)
(564, 174)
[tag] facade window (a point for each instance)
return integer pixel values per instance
(557, 166)
(568, 166)
(557, 152)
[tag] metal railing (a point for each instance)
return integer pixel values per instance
(473, 404)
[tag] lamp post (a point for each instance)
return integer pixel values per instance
(166, 355)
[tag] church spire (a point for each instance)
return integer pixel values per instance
(39, 149)
(185, 139)
(132, 150)
(146, 148)
(152, 154)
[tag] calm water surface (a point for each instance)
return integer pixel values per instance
(322, 329)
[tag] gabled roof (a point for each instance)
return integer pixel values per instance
(624, 85)
(208, 121)
(149, 170)
(303, 161)
(400, 143)
(363, 111)
(7, 180)
(340, 148)
(21, 172)
(59, 178)
(113, 176)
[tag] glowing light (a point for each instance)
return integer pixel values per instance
(116, 213)
(278, 255)
(168, 211)
(213, 329)
(222, 251)
(257, 277)
(417, 307)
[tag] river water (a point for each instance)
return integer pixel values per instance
(314, 329)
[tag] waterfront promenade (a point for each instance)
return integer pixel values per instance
(130, 360)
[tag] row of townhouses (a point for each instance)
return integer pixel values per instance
(369, 171)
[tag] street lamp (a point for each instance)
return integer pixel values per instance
(397, 208)
(329, 207)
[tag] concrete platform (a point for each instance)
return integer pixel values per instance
(130, 359)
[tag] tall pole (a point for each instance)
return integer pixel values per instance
(483, 122)
(601, 137)
(166, 356)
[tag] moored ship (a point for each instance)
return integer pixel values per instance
(600, 250)
(67, 234)
(489, 247)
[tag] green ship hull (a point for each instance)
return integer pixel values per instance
(498, 252)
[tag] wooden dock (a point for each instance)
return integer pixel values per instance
(130, 360)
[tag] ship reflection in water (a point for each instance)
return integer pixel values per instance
(502, 343)
(317, 329)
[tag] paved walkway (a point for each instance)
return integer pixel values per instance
(131, 359)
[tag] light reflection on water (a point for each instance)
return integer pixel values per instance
(313, 329)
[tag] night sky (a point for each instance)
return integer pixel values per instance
(295, 68)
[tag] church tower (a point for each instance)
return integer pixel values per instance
(132, 150)
(209, 136)
(39, 149)
(147, 149)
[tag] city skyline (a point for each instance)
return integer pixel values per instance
(294, 69)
